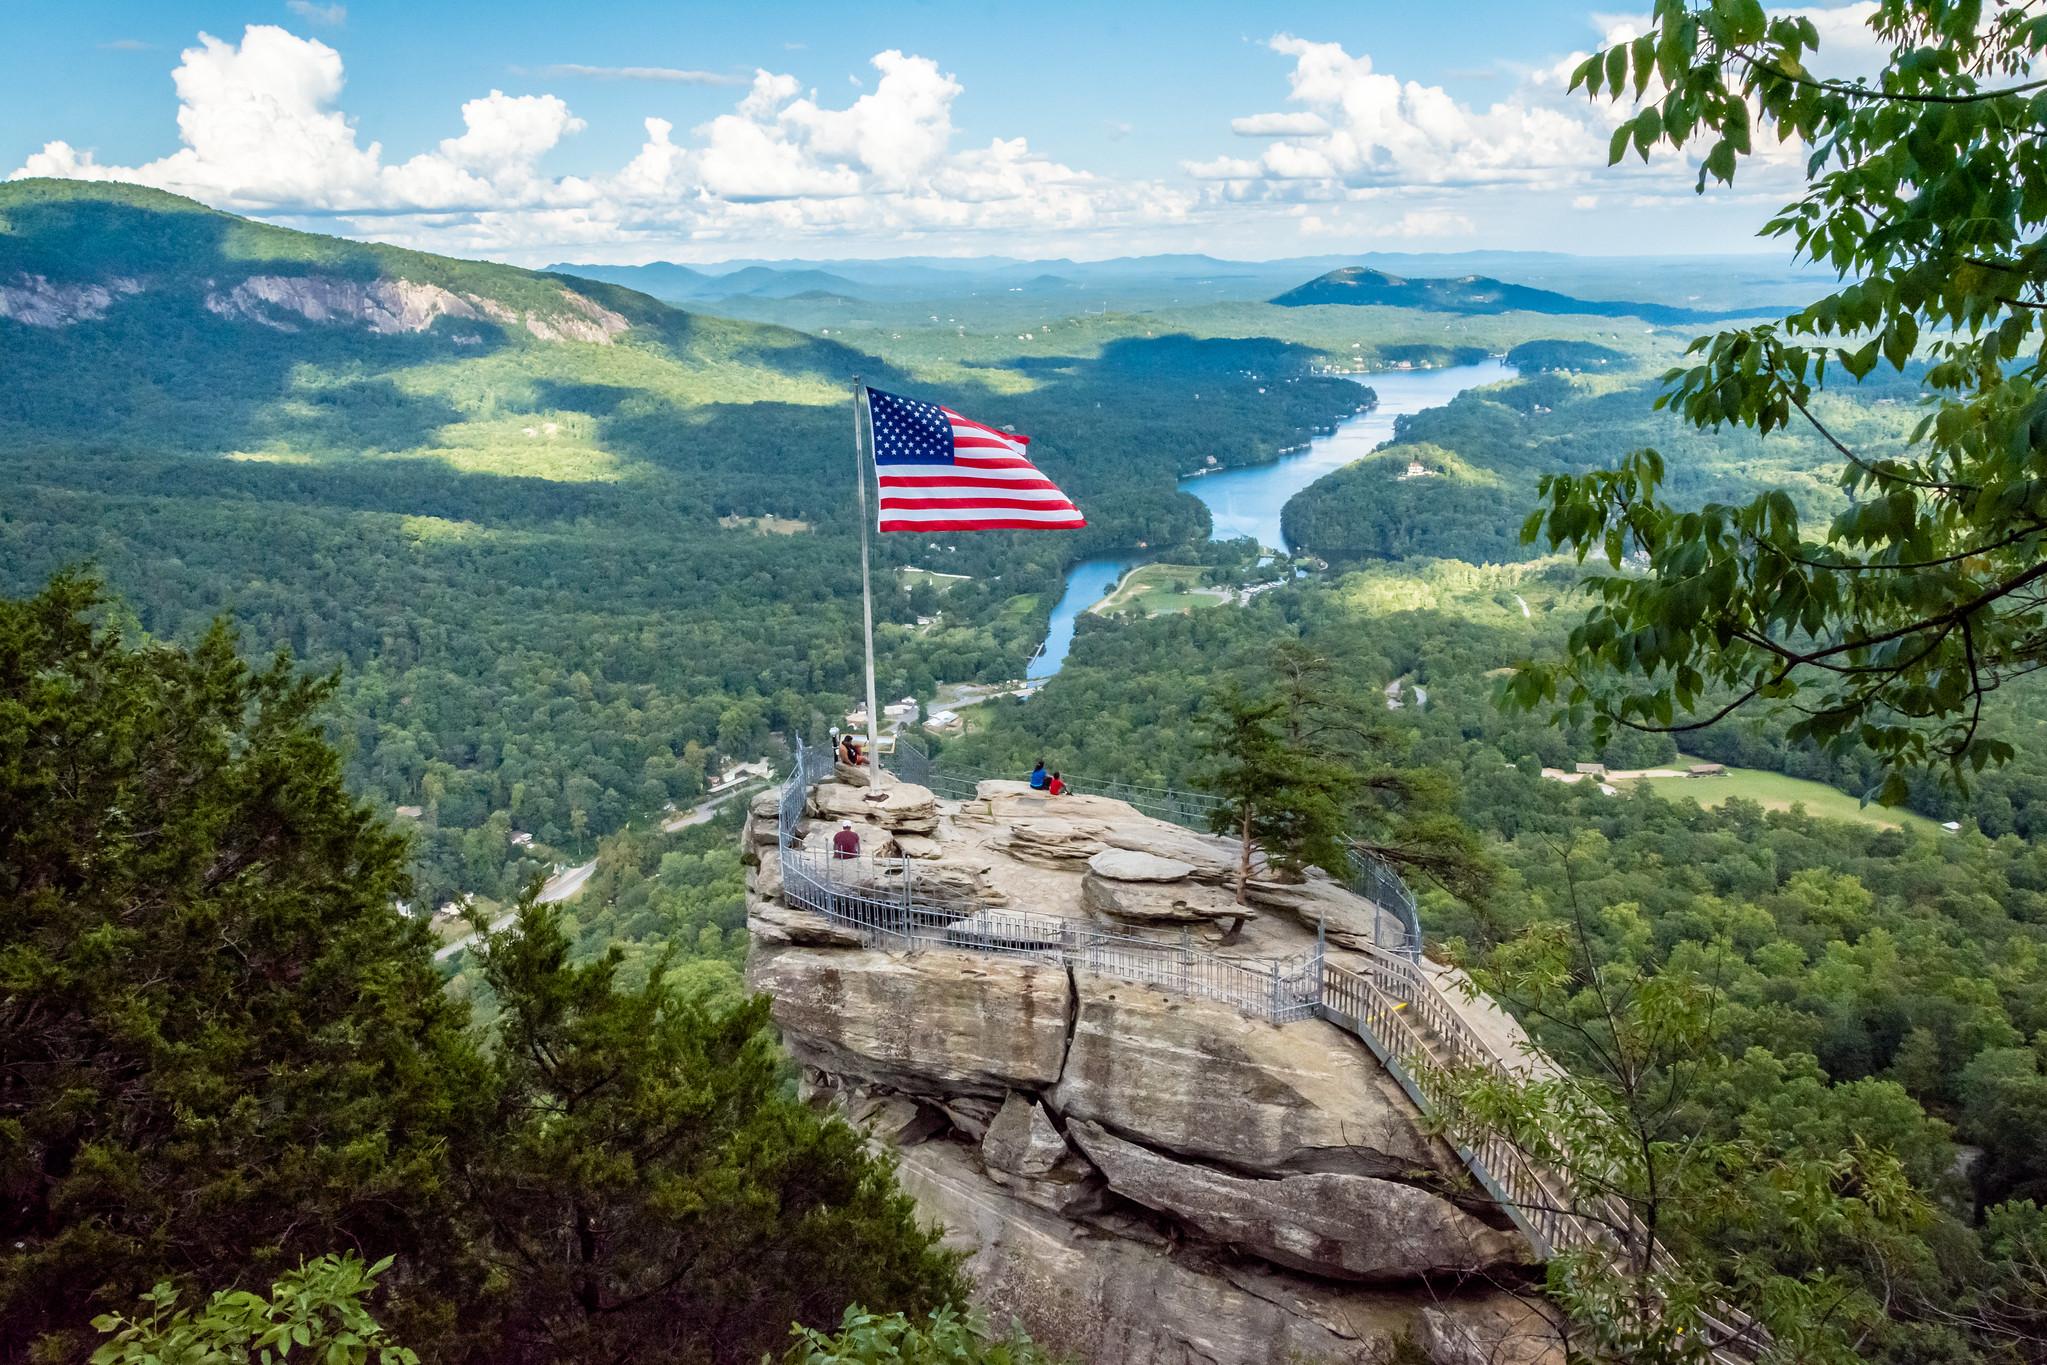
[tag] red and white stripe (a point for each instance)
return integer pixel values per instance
(990, 486)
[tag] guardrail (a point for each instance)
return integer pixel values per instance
(881, 901)
(1368, 875)
(1404, 1018)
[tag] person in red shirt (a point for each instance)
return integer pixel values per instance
(845, 844)
(1056, 787)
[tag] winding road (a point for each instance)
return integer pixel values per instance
(569, 881)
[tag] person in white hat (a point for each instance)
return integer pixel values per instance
(845, 844)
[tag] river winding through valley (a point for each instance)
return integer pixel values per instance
(1247, 501)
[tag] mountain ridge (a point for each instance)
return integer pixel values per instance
(1363, 286)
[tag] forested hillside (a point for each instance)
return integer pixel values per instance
(498, 510)
(1576, 405)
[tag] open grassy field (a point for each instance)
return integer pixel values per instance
(911, 577)
(766, 525)
(1155, 590)
(1774, 791)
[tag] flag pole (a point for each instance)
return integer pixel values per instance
(874, 792)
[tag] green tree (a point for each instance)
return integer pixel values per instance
(220, 1048)
(656, 1194)
(316, 1310)
(1308, 776)
(1277, 797)
(1927, 191)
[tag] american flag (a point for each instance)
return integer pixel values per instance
(940, 471)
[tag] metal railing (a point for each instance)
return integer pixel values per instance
(1368, 875)
(1410, 1026)
(881, 900)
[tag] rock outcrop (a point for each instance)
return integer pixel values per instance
(1201, 1079)
(34, 300)
(934, 1024)
(1351, 1227)
(290, 303)
(396, 306)
(1140, 1172)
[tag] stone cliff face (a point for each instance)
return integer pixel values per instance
(1138, 1174)
(288, 303)
(34, 300)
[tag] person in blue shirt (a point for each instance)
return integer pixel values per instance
(1039, 779)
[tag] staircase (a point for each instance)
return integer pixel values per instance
(1393, 1007)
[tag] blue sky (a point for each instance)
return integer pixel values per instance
(629, 131)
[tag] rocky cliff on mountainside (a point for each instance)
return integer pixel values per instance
(1140, 1175)
(287, 303)
(75, 252)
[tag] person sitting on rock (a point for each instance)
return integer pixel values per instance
(845, 844)
(849, 752)
(1056, 787)
(1039, 779)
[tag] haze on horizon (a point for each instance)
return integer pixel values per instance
(1072, 132)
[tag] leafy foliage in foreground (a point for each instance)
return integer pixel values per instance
(316, 1310)
(1928, 188)
(945, 1338)
(1618, 1138)
(655, 1194)
(223, 1049)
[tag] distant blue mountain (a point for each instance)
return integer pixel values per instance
(1361, 286)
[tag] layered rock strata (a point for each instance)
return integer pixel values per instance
(1138, 1174)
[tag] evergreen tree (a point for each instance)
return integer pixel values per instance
(1309, 776)
(221, 1049)
(657, 1195)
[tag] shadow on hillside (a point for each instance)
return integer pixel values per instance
(1177, 355)
(595, 400)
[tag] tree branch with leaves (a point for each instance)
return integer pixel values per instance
(1927, 192)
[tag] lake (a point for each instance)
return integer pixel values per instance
(1247, 501)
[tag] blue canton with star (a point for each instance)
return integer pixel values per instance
(908, 430)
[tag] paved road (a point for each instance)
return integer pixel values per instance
(704, 810)
(559, 887)
(562, 885)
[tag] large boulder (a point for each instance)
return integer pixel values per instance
(1351, 1227)
(1025, 1154)
(904, 806)
(1350, 920)
(932, 1023)
(1111, 1295)
(773, 922)
(1133, 865)
(1198, 1078)
(1211, 859)
(1139, 902)
(1052, 842)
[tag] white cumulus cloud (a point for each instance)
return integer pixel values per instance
(1353, 126)
(264, 130)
